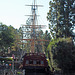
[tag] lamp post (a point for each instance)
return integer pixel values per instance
(13, 66)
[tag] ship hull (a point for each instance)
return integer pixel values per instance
(35, 70)
(35, 64)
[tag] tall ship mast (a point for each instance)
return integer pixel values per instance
(33, 29)
(34, 62)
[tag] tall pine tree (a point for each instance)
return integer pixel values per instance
(61, 18)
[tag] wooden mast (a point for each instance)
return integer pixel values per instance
(33, 28)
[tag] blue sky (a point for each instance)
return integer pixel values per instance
(12, 11)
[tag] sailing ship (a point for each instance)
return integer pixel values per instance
(34, 62)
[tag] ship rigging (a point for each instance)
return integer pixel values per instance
(34, 62)
(33, 29)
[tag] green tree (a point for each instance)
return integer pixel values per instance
(53, 18)
(7, 36)
(46, 36)
(60, 19)
(62, 53)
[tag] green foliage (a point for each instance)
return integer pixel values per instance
(6, 59)
(61, 18)
(7, 36)
(62, 53)
(46, 36)
(19, 73)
